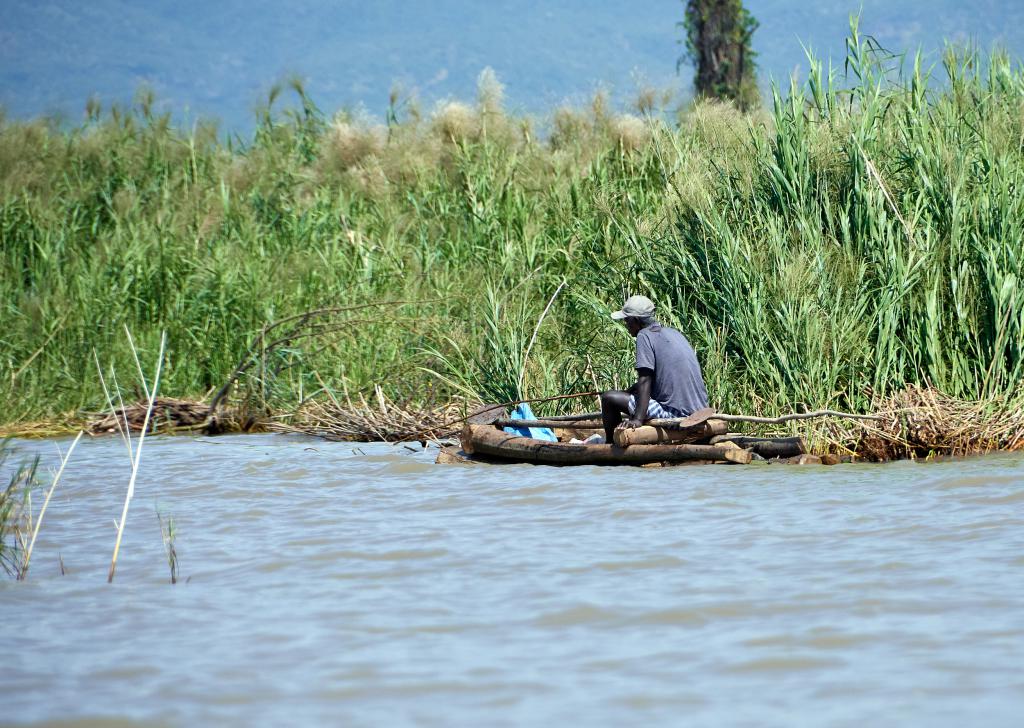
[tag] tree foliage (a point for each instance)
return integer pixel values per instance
(718, 44)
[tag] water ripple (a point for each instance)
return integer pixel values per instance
(363, 585)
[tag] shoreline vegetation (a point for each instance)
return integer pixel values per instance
(856, 245)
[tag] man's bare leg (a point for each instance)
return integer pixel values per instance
(614, 404)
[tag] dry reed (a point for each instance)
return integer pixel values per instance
(921, 422)
(134, 455)
(380, 420)
(168, 414)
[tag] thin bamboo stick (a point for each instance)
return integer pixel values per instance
(788, 418)
(674, 423)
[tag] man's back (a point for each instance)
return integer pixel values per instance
(678, 383)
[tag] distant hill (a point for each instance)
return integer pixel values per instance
(219, 58)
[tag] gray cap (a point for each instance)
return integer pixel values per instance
(635, 307)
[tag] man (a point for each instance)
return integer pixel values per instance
(669, 382)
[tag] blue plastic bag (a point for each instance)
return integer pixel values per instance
(523, 412)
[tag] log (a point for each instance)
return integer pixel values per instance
(650, 435)
(766, 447)
(488, 440)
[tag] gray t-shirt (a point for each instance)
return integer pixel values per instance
(678, 383)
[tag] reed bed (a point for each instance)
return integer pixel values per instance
(61, 424)
(858, 236)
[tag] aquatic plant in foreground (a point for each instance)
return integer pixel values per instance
(170, 534)
(134, 453)
(14, 499)
(17, 515)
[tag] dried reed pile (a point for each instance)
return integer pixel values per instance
(172, 415)
(920, 422)
(381, 419)
(169, 415)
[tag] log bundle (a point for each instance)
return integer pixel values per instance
(489, 440)
(651, 435)
(702, 437)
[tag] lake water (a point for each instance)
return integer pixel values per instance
(363, 585)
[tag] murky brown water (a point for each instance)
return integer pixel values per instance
(330, 584)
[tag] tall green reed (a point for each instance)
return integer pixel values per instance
(862, 234)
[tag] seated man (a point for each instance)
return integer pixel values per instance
(669, 382)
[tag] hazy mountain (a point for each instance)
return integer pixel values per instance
(219, 58)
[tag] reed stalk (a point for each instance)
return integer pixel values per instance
(134, 455)
(26, 557)
(536, 330)
(169, 533)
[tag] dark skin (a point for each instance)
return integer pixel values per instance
(615, 403)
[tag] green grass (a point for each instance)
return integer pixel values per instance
(766, 238)
(15, 509)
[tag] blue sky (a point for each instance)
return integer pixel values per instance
(219, 58)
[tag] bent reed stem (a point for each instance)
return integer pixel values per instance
(136, 456)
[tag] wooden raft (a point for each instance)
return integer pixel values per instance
(489, 440)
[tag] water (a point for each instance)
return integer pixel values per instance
(343, 585)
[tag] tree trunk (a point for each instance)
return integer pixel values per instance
(651, 435)
(767, 447)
